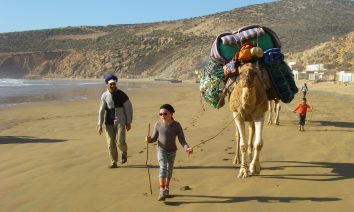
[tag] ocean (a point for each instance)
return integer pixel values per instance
(22, 91)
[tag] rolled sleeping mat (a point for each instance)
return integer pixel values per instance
(273, 35)
(221, 57)
(222, 52)
(242, 36)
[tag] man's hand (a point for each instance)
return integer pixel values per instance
(128, 126)
(148, 139)
(100, 130)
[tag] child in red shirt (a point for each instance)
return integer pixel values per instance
(301, 109)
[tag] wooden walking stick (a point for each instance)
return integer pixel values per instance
(147, 158)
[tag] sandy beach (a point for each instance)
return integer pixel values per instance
(54, 160)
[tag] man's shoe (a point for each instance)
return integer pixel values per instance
(113, 166)
(124, 157)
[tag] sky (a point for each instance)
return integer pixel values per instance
(23, 15)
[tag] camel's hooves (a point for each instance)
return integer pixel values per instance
(243, 173)
(255, 169)
(236, 162)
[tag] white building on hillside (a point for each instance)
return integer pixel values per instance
(343, 76)
(315, 71)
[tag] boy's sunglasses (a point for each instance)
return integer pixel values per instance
(163, 114)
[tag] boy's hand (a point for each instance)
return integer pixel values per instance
(148, 139)
(189, 150)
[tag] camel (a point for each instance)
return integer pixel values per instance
(249, 102)
(274, 109)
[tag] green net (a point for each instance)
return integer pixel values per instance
(212, 83)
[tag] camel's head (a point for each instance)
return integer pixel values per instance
(247, 74)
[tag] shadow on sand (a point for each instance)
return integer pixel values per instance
(261, 199)
(333, 171)
(26, 139)
(337, 171)
(334, 124)
(340, 125)
(182, 167)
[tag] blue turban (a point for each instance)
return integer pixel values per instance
(110, 77)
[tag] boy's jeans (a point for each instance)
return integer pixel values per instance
(166, 160)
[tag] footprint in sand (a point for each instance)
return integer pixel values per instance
(141, 152)
(225, 159)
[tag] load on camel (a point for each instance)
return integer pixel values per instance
(247, 65)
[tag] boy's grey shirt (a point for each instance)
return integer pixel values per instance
(166, 136)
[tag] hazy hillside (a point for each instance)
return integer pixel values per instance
(168, 49)
(337, 54)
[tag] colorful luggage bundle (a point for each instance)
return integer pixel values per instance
(253, 43)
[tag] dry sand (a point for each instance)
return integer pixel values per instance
(52, 158)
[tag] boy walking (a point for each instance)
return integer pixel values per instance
(304, 90)
(165, 133)
(301, 109)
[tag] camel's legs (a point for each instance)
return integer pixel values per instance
(251, 130)
(277, 108)
(270, 111)
(243, 146)
(255, 166)
(274, 109)
(237, 159)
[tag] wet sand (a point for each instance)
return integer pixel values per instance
(54, 160)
